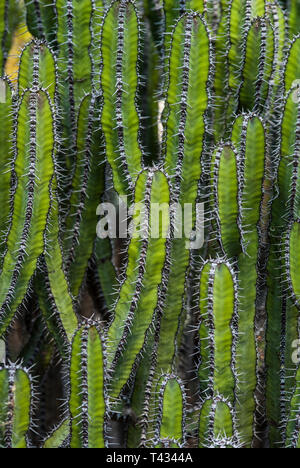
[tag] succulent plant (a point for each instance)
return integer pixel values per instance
(173, 120)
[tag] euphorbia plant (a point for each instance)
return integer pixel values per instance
(151, 340)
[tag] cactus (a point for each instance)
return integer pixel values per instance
(217, 371)
(249, 137)
(9, 19)
(34, 171)
(119, 81)
(58, 437)
(87, 401)
(87, 190)
(225, 181)
(143, 278)
(149, 338)
(172, 412)
(7, 108)
(216, 427)
(16, 407)
(180, 164)
(41, 19)
(37, 68)
(218, 332)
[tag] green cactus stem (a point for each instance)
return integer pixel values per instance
(15, 407)
(87, 401)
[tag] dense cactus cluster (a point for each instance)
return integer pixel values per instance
(143, 340)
